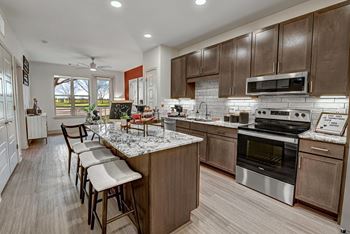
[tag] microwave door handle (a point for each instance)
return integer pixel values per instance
(269, 136)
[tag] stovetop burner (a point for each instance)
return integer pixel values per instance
(281, 122)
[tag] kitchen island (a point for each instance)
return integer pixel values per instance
(169, 164)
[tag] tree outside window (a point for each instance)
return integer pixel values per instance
(103, 96)
(71, 95)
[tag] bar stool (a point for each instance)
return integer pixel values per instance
(105, 177)
(77, 132)
(89, 159)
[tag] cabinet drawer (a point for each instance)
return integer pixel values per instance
(199, 127)
(183, 130)
(222, 131)
(322, 148)
(182, 124)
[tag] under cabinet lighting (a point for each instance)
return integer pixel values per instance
(324, 97)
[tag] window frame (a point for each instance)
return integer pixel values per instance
(73, 108)
(101, 108)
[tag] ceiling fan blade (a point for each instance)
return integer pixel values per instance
(104, 67)
(82, 65)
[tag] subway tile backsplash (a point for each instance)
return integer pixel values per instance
(207, 91)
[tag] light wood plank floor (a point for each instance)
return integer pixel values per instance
(41, 198)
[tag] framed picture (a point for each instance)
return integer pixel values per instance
(25, 71)
(332, 123)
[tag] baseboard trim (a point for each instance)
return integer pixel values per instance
(54, 132)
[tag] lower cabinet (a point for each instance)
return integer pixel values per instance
(319, 181)
(202, 145)
(222, 152)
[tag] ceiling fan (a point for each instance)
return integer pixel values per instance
(92, 66)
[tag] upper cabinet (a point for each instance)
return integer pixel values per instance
(203, 62)
(264, 55)
(330, 51)
(295, 40)
(179, 86)
(235, 60)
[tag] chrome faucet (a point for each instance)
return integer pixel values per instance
(206, 109)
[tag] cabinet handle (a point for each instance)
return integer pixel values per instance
(273, 66)
(319, 149)
(278, 67)
(311, 87)
(299, 162)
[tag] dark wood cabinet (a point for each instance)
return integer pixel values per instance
(319, 181)
(202, 145)
(203, 62)
(226, 69)
(242, 62)
(330, 51)
(264, 54)
(235, 60)
(222, 152)
(211, 59)
(194, 64)
(295, 45)
(179, 86)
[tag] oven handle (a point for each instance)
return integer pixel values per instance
(269, 136)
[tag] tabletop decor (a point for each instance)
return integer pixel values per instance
(332, 123)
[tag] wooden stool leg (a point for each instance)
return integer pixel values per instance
(84, 184)
(104, 211)
(90, 203)
(94, 210)
(82, 175)
(77, 172)
(69, 160)
(135, 209)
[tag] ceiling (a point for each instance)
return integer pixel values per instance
(78, 29)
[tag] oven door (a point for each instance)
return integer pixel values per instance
(271, 155)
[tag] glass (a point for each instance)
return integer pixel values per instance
(63, 105)
(266, 152)
(81, 87)
(103, 93)
(62, 86)
(80, 102)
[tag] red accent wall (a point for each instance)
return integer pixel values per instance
(134, 73)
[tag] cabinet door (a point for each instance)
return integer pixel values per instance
(242, 61)
(226, 66)
(221, 152)
(178, 78)
(265, 45)
(211, 59)
(194, 64)
(202, 145)
(330, 51)
(295, 37)
(319, 181)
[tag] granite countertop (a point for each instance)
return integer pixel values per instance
(312, 135)
(134, 144)
(218, 123)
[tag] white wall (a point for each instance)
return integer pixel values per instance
(41, 79)
(159, 58)
(289, 13)
(12, 44)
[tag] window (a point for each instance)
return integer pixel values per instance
(103, 96)
(71, 95)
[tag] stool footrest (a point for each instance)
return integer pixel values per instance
(120, 216)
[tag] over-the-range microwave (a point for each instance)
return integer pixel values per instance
(290, 83)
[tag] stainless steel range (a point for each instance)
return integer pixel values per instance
(268, 152)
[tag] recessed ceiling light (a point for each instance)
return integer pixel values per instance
(147, 35)
(116, 4)
(200, 2)
(44, 41)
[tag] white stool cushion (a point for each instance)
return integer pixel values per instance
(109, 175)
(86, 146)
(95, 157)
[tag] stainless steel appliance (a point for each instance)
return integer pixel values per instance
(170, 124)
(268, 152)
(290, 83)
